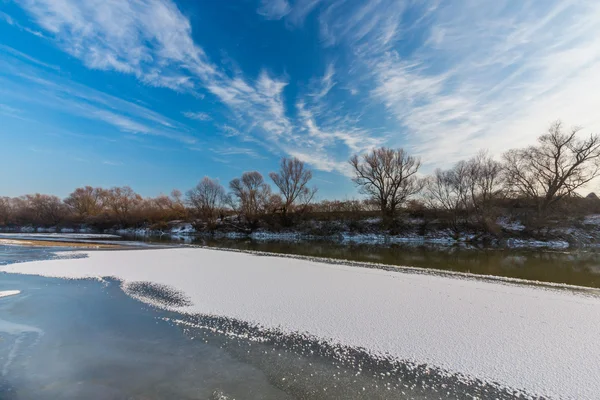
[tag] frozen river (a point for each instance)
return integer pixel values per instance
(89, 338)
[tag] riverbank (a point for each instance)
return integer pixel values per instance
(509, 233)
(519, 336)
(573, 266)
(57, 243)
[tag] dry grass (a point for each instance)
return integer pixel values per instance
(53, 243)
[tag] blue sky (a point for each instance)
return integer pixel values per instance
(156, 94)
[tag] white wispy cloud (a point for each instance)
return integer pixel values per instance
(14, 113)
(230, 131)
(326, 83)
(355, 139)
(126, 36)
(198, 116)
(461, 76)
(274, 9)
(235, 151)
(367, 26)
(320, 133)
(124, 123)
(508, 72)
(16, 53)
(4, 17)
(295, 11)
(5, 108)
(152, 40)
(41, 150)
(28, 84)
(258, 107)
(440, 78)
(112, 163)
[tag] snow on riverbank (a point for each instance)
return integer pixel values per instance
(7, 293)
(533, 244)
(540, 340)
(38, 236)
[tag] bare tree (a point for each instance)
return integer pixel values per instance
(292, 181)
(176, 197)
(207, 198)
(485, 184)
(177, 204)
(388, 177)
(167, 207)
(5, 210)
(468, 188)
(42, 209)
(275, 203)
(250, 195)
(560, 164)
(449, 190)
(85, 201)
(122, 201)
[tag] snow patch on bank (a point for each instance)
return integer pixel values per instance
(36, 236)
(536, 339)
(443, 237)
(531, 243)
(183, 229)
(510, 225)
(7, 293)
(592, 219)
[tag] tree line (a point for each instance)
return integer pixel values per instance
(539, 179)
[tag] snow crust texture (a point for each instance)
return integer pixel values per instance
(537, 339)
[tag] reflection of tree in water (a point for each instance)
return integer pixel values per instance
(575, 268)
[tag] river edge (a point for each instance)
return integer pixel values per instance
(565, 239)
(204, 357)
(571, 266)
(58, 243)
(129, 260)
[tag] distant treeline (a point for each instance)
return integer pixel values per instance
(537, 184)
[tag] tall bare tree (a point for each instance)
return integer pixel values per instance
(485, 184)
(292, 180)
(42, 209)
(388, 177)
(207, 198)
(467, 189)
(122, 201)
(555, 168)
(5, 210)
(250, 195)
(169, 207)
(86, 201)
(449, 190)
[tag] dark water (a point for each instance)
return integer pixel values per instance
(86, 339)
(14, 254)
(579, 267)
(576, 267)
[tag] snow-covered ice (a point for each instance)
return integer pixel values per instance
(58, 236)
(538, 339)
(6, 293)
